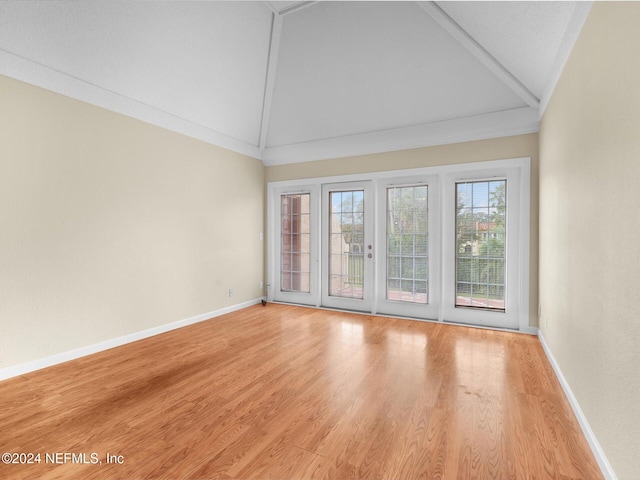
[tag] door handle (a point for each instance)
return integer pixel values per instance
(370, 255)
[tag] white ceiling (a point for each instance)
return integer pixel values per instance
(298, 81)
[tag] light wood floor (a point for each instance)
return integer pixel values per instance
(283, 392)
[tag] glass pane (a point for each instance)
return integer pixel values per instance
(346, 244)
(304, 263)
(393, 267)
(407, 238)
(480, 244)
(480, 194)
(421, 245)
(295, 246)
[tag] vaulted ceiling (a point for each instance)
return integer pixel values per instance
(297, 81)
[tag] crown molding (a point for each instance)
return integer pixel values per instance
(479, 127)
(499, 124)
(505, 123)
(31, 72)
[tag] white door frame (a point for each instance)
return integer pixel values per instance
(518, 173)
(303, 298)
(513, 295)
(431, 310)
(366, 303)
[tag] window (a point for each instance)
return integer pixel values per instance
(446, 243)
(346, 239)
(295, 261)
(480, 244)
(407, 248)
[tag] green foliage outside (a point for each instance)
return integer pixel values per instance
(480, 237)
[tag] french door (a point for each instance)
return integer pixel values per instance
(376, 251)
(348, 247)
(447, 244)
(408, 272)
(296, 245)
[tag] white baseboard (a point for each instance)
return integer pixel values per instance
(601, 458)
(40, 363)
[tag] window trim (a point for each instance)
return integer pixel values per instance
(517, 298)
(485, 237)
(274, 218)
(367, 302)
(291, 253)
(519, 167)
(429, 311)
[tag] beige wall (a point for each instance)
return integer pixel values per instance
(590, 228)
(110, 226)
(478, 151)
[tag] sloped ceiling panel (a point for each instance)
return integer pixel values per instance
(349, 68)
(523, 36)
(204, 62)
(296, 81)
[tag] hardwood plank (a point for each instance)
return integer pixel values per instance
(292, 392)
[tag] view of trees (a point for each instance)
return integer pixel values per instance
(480, 236)
(407, 243)
(350, 213)
(481, 208)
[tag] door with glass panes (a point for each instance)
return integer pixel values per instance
(443, 246)
(296, 245)
(482, 255)
(408, 268)
(348, 248)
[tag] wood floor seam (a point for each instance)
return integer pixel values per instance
(285, 392)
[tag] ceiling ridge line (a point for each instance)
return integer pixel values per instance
(272, 7)
(295, 8)
(290, 9)
(479, 52)
(270, 79)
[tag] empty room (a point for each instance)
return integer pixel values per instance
(319, 240)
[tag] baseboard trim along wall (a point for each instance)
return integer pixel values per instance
(45, 362)
(601, 458)
(41, 363)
